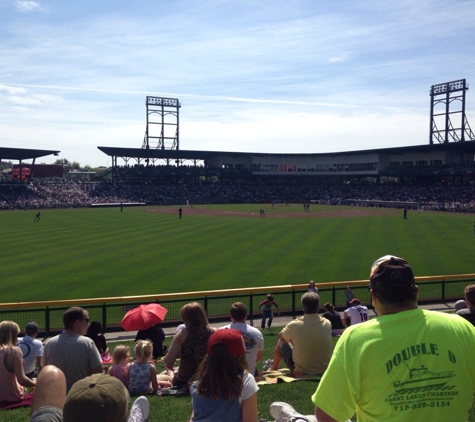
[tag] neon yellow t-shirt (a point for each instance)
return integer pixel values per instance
(410, 366)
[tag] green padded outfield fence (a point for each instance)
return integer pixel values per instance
(110, 311)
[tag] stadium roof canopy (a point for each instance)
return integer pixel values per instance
(21, 154)
(467, 146)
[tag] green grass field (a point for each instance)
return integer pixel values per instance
(87, 253)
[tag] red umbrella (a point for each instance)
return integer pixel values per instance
(143, 317)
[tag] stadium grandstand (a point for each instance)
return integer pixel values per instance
(448, 158)
(438, 175)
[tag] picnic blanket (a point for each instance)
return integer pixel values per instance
(27, 399)
(173, 391)
(285, 375)
(268, 378)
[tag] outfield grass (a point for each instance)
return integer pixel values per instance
(86, 253)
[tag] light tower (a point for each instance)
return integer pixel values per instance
(449, 122)
(163, 123)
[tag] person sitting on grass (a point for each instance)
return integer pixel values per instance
(142, 374)
(94, 333)
(222, 389)
(334, 317)
(254, 341)
(32, 350)
(12, 375)
(97, 398)
(188, 344)
(157, 336)
(355, 314)
(305, 344)
(405, 365)
(71, 351)
(460, 304)
(120, 364)
(469, 312)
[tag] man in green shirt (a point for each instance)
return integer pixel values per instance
(406, 365)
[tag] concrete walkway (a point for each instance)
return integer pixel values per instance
(277, 322)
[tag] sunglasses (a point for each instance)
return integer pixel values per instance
(85, 319)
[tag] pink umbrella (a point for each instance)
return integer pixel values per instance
(143, 317)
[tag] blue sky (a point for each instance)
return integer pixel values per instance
(264, 76)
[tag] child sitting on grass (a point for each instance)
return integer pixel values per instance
(120, 364)
(142, 374)
(222, 389)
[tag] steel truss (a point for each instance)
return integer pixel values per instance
(163, 124)
(444, 127)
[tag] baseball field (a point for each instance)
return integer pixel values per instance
(103, 252)
(85, 253)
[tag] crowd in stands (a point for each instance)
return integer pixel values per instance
(65, 194)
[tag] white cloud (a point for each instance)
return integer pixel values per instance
(20, 96)
(339, 58)
(26, 6)
(24, 101)
(303, 76)
(12, 90)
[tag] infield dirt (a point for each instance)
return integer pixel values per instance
(274, 213)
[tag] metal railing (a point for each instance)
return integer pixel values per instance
(110, 311)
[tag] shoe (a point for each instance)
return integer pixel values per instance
(139, 410)
(267, 364)
(284, 412)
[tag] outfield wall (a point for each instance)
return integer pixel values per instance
(110, 311)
